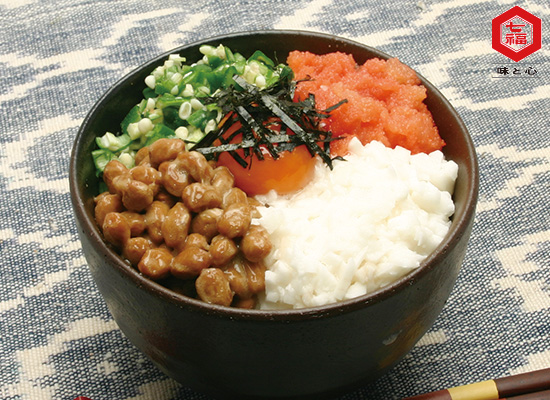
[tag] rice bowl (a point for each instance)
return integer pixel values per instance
(316, 352)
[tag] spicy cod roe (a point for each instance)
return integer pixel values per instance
(384, 100)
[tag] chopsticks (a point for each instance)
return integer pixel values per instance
(533, 385)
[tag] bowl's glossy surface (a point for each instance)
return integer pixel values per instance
(232, 353)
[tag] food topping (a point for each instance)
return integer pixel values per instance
(267, 140)
(384, 100)
(174, 103)
(198, 228)
(356, 228)
(268, 119)
(180, 177)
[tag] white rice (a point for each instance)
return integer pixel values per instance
(357, 228)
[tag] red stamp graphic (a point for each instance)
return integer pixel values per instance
(517, 33)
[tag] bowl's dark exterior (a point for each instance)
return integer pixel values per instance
(230, 353)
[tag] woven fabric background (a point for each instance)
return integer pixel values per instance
(57, 338)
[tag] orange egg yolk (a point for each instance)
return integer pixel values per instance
(290, 172)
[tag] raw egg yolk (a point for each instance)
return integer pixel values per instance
(290, 172)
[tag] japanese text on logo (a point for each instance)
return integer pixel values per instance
(517, 33)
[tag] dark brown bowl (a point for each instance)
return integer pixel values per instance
(233, 353)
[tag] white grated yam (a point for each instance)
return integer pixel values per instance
(357, 228)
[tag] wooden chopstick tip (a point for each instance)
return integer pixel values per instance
(535, 384)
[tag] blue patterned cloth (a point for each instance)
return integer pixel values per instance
(57, 338)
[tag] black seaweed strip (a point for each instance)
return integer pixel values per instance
(274, 100)
(260, 130)
(334, 107)
(280, 140)
(236, 156)
(297, 129)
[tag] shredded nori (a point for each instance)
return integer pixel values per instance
(258, 110)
